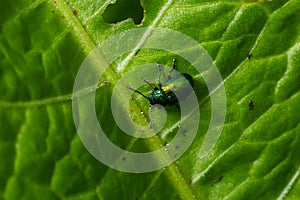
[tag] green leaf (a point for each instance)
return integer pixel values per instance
(254, 44)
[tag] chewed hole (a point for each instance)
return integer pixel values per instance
(122, 10)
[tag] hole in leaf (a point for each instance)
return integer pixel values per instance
(122, 10)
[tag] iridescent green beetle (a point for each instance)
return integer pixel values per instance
(164, 94)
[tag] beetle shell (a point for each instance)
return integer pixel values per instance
(178, 84)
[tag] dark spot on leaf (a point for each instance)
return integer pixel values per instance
(183, 132)
(122, 10)
(52, 11)
(249, 56)
(251, 105)
(218, 180)
(75, 12)
(136, 53)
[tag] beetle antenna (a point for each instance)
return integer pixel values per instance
(173, 68)
(159, 74)
(136, 91)
(150, 84)
(174, 64)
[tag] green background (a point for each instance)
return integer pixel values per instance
(42, 45)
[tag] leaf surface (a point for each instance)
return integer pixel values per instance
(256, 47)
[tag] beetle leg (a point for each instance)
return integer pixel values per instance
(173, 68)
(130, 88)
(150, 116)
(146, 81)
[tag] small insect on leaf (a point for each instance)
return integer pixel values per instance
(163, 94)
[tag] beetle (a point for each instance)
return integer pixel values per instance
(164, 94)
